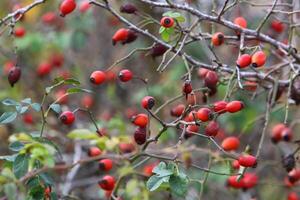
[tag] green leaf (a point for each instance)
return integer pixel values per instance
(10, 158)
(165, 36)
(27, 100)
(37, 193)
(47, 141)
(180, 19)
(46, 178)
(161, 29)
(36, 107)
(10, 102)
(10, 190)
(77, 90)
(33, 182)
(154, 182)
(179, 184)
(8, 117)
(82, 134)
(20, 165)
(161, 170)
(16, 146)
(168, 14)
(175, 14)
(56, 108)
(58, 80)
(72, 81)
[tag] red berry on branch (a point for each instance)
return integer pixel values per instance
(66, 7)
(47, 192)
(220, 107)
(234, 106)
(44, 69)
(97, 77)
(167, 22)
(217, 39)
(140, 135)
(148, 102)
(249, 180)
(241, 21)
(212, 128)
(107, 183)
(84, 6)
(243, 61)
(230, 143)
(211, 79)
(177, 110)
(293, 196)
(247, 161)
(94, 151)
(125, 75)
(277, 26)
(140, 120)
(158, 50)
(67, 117)
(294, 175)
(14, 75)
(187, 88)
(105, 164)
(132, 36)
(204, 114)
(258, 59)
(120, 36)
(19, 32)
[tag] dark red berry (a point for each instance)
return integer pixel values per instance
(67, 117)
(247, 161)
(128, 8)
(131, 36)
(107, 183)
(158, 50)
(211, 79)
(125, 75)
(234, 106)
(97, 77)
(94, 151)
(148, 102)
(140, 135)
(105, 164)
(66, 7)
(212, 128)
(126, 147)
(187, 88)
(14, 75)
(167, 22)
(277, 26)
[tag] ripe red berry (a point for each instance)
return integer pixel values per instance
(294, 175)
(240, 21)
(230, 143)
(277, 26)
(157, 50)
(249, 180)
(120, 36)
(235, 164)
(247, 161)
(234, 106)
(148, 102)
(293, 196)
(147, 170)
(107, 183)
(128, 8)
(49, 18)
(28, 118)
(44, 69)
(87, 101)
(126, 147)
(211, 79)
(66, 7)
(234, 182)
(192, 128)
(202, 72)
(286, 134)
(47, 192)
(140, 120)
(125, 75)
(105, 164)
(250, 86)
(204, 114)
(132, 36)
(177, 110)
(220, 107)
(217, 39)
(140, 135)
(167, 22)
(97, 77)
(84, 6)
(19, 32)
(14, 75)
(276, 132)
(258, 59)
(243, 61)
(212, 128)
(187, 88)
(57, 60)
(94, 151)
(67, 117)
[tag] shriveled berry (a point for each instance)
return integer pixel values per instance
(97, 77)
(140, 120)
(258, 59)
(217, 39)
(66, 7)
(158, 50)
(220, 107)
(247, 161)
(230, 143)
(94, 151)
(14, 75)
(67, 117)
(140, 135)
(105, 164)
(125, 75)
(107, 183)
(148, 102)
(167, 22)
(234, 106)
(212, 128)
(128, 8)
(243, 61)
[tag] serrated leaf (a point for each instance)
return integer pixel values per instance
(8, 117)
(10, 158)
(165, 36)
(154, 182)
(56, 108)
(16, 146)
(77, 90)
(82, 134)
(23, 109)
(36, 107)
(27, 100)
(161, 29)
(161, 170)
(20, 165)
(72, 81)
(179, 184)
(10, 102)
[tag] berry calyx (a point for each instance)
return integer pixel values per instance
(94, 151)
(97, 77)
(247, 161)
(105, 164)
(243, 61)
(258, 59)
(220, 107)
(230, 143)
(128, 8)
(234, 106)
(107, 183)
(167, 22)
(67, 117)
(14, 75)
(140, 120)
(286, 134)
(204, 114)
(140, 135)
(241, 21)
(148, 102)
(212, 128)
(217, 39)
(125, 75)
(66, 7)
